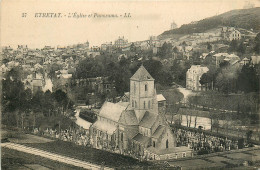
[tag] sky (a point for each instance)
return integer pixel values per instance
(147, 18)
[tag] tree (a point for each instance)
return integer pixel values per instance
(226, 80)
(257, 44)
(209, 46)
(241, 48)
(52, 68)
(206, 79)
(62, 100)
(48, 103)
(178, 70)
(249, 135)
(165, 51)
(133, 47)
(223, 82)
(233, 46)
(13, 95)
(248, 81)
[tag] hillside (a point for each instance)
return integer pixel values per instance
(242, 18)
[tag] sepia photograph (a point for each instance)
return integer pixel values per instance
(131, 85)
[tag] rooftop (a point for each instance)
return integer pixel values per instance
(158, 131)
(160, 97)
(142, 74)
(128, 117)
(112, 111)
(105, 127)
(141, 139)
(148, 119)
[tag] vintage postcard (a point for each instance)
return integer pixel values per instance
(130, 84)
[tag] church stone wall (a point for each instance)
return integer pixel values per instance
(167, 136)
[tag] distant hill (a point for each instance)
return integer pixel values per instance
(242, 18)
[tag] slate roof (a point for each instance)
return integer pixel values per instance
(111, 111)
(105, 127)
(142, 74)
(141, 139)
(160, 97)
(158, 131)
(128, 117)
(148, 119)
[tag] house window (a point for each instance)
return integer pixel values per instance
(144, 104)
(154, 144)
(145, 87)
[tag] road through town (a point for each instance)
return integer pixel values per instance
(52, 156)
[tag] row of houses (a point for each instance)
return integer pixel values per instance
(194, 74)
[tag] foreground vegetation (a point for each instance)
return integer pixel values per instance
(89, 154)
(12, 159)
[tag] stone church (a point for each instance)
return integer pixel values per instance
(136, 126)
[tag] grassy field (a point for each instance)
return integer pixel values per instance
(72, 150)
(19, 137)
(89, 154)
(12, 159)
(69, 149)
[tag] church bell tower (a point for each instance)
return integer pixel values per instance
(142, 92)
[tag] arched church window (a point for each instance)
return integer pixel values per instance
(167, 143)
(134, 88)
(146, 87)
(154, 144)
(133, 104)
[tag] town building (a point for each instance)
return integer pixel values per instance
(136, 126)
(35, 82)
(121, 42)
(255, 60)
(230, 33)
(193, 76)
(245, 61)
(106, 47)
(221, 57)
(97, 84)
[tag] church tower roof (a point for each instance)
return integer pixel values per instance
(141, 75)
